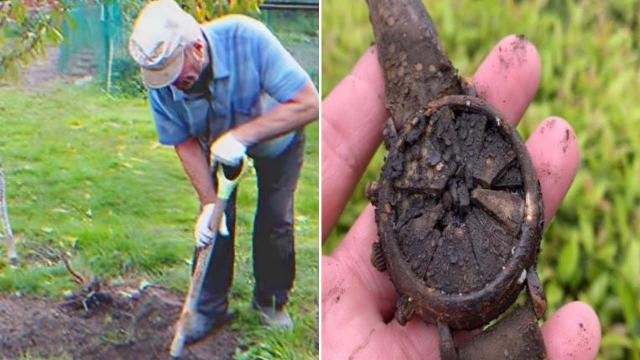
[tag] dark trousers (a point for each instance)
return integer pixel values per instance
(273, 236)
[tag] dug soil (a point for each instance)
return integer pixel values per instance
(124, 329)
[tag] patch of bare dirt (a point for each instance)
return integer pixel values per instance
(127, 328)
(42, 73)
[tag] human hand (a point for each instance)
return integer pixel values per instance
(358, 301)
(203, 234)
(228, 150)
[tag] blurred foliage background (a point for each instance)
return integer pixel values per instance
(590, 54)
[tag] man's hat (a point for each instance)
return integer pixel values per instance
(160, 35)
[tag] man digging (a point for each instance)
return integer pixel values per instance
(223, 90)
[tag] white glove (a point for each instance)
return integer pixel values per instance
(228, 150)
(203, 234)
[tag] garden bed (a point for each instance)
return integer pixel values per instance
(138, 327)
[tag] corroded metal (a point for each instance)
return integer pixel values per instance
(458, 204)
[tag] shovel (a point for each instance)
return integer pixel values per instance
(227, 182)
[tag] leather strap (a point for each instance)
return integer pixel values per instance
(515, 336)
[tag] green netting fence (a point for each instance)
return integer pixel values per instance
(96, 36)
(95, 44)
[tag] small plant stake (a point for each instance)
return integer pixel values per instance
(6, 226)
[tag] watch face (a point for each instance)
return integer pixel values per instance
(459, 201)
(459, 211)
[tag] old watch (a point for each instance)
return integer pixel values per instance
(458, 205)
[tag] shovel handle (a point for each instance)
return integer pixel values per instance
(226, 184)
(228, 178)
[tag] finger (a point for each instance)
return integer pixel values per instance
(573, 332)
(380, 341)
(352, 120)
(555, 155)
(204, 241)
(509, 76)
(355, 253)
(224, 160)
(350, 320)
(206, 233)
(415, 339)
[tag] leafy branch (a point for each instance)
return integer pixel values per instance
(29, 29)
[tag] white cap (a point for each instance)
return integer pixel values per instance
(160, 35)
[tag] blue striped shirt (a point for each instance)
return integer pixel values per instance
(252, 73)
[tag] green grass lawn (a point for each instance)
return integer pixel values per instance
(591, 76)
(85, 174)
